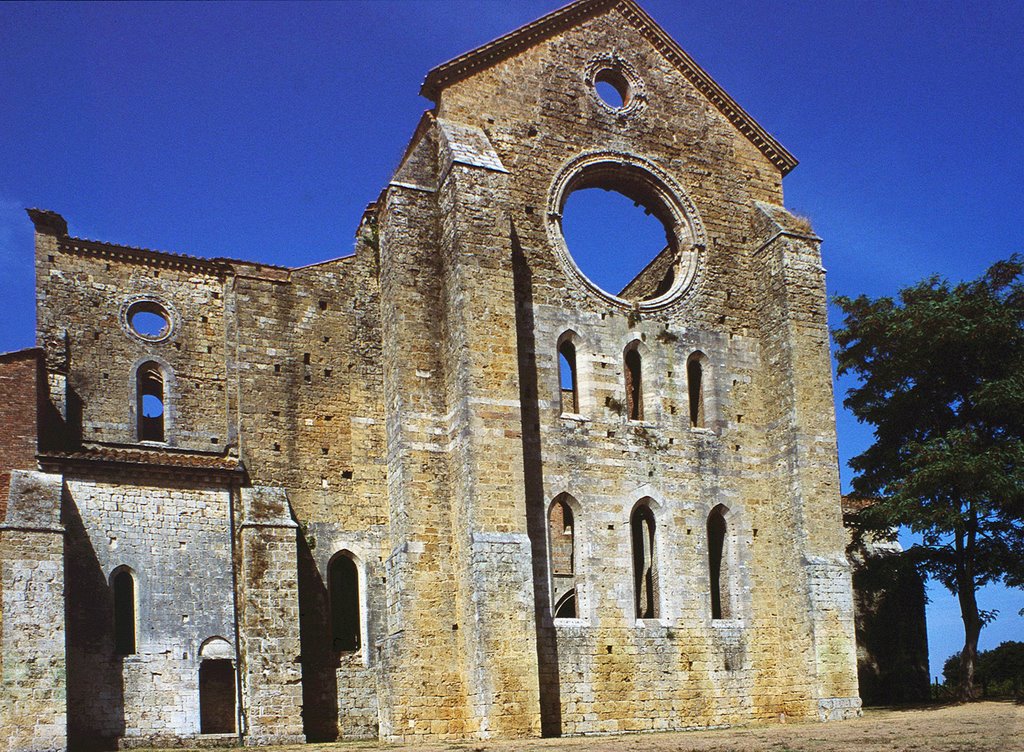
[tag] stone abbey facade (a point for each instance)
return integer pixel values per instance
(444, 487)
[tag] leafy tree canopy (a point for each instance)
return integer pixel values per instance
(941, 371)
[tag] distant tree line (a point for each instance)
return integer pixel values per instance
(998, 672)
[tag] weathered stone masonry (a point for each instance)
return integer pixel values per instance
(327, 491)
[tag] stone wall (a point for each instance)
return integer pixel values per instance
(33, 684)
(174, 537)
(889, 603)
(402, 408)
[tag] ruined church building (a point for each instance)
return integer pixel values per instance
(445, 487)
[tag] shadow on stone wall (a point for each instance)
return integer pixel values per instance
(892, 639)
(95, 675)
(536, 508)
(319, 660)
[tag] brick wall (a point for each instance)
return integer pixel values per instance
(19, 415)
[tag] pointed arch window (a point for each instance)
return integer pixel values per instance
(149, 395)
(695, 384)
(632, 367)
(645, 573)
(562, 548)
(343, 590)
(718, 563)
(122, 585)
(567, 379)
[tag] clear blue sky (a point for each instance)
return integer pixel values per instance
(261, 131)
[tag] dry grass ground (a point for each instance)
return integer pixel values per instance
(981, 727)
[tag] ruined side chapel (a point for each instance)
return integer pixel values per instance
(447, 486)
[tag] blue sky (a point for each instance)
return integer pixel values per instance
(261, 131)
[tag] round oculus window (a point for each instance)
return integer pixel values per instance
(625, 229)
(149, 320)
(615, 84)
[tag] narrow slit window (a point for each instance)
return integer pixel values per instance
(718, 563)
(645, 575)
(562, 548)
(123, 586)
(150, 402)
(634, 385)
(567, 377)
(562, 528)
(344, 595)
(695, 382)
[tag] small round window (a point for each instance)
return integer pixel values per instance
(613, 88)
(615, 84)
(149, 320)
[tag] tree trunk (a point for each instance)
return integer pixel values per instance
(968, 691)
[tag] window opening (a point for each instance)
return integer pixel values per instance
(612, 237)
(562, 530)
(562, 548)
(149, 324)
(123, 585)
(613, 88)
(149, 320)
(566, 606)
(645, 576)
(634, 385)
(216, 696)
(695, 382)
(718, 563)
(567, 377)
(344, 595)
(150, 398)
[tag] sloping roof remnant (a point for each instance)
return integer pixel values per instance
(151, 458)
(497, 50)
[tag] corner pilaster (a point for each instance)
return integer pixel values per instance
(33, 702)
(268, 617)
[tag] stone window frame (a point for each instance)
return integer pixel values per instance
(613, 68)
(641, 179)
(218, 648)
(579, 582)
(352, 552)
(115, 573)
(571, 337)
(704, 417)
(737, 551)
(643, 410)
(135, 401)
(152, 303)
(654, 509)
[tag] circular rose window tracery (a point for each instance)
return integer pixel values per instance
(674, 269)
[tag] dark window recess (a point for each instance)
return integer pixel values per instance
(123, 586)
(344, 594)
(150, 402)
(718, 564)
(645, 575)
(216, 697)
(567, 377)
(566, 606)
(634, 385)
(695, 382)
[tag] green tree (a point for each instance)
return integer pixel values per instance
(941, 379)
